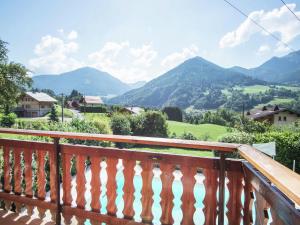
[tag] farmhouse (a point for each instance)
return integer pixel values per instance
(35, 104)
(274, 115)
(91, 101)
(132, 110)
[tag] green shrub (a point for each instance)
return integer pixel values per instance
(287, 144)
(120, 125)
(93, 109)
(8, 120)
(252, 126)
(188, 136)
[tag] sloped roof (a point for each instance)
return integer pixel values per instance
(92, 100)
(41, 97)
(261, 113)
(135, 110)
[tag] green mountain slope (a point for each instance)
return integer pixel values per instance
(184, 85)
(87, 80)
(284, 69)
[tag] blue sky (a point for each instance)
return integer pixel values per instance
(140, 39)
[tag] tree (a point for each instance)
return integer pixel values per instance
(14, 79)
(173, 113)
(53, 115)
(151, 124)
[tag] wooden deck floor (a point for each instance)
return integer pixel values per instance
(12, 218)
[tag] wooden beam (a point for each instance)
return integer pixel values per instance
(27, 201)
(285, 179)
(284, 208)
(201, 145)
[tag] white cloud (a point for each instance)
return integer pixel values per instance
(279, 21)
(144, 55)
(53, 55)
(264, 49)
(126, 63)
(176, 58)
(72, 35)
(281, 48)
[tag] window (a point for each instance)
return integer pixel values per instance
(279, 118)
(27, 106)
(284, 118)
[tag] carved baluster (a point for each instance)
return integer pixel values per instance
(95, 186)
(17, 176)
(128, 188)
(248, 203)
(66, 176)
(28, 177)
(188, 199)
(53, 178)
(166, 194)
(7, 174)
(210, 198)
(95, 183)
(234, 204)
(147, 192)
(111, 186)
(17, 171)
(41, 179)
(80, 184)
(261, 210)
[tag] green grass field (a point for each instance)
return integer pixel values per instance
(255, 89)
(100, 117)
(214, 132)
(276, 101)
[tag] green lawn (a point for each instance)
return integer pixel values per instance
(275, 101)
(211, 130)
(101, 117)
(255, 89)
(67, 112)
(178, 151)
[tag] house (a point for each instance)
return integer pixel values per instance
(133, 110)
(91, 101)
(35, 104)
(274, 115)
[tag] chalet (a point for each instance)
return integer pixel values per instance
(35, 104)
(132, 110)
(274, 115)
(91, 101)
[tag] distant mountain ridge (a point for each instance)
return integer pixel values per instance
(184, 85)
(87, 80)
(284, 69)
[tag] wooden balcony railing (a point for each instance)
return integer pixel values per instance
(257, 190)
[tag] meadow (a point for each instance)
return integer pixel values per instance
(209, 132)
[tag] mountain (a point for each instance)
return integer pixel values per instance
(184, 85)
(137, 84)
(87, 80)
(278, 69)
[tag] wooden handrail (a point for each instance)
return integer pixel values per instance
(178, 143)
(285, 179)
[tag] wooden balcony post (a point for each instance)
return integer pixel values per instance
(57, 182)
(221, 189)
